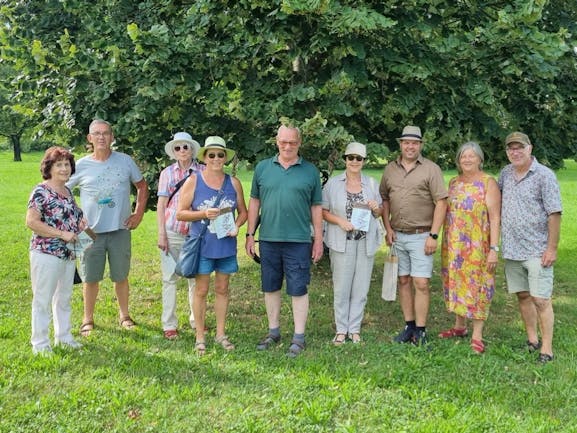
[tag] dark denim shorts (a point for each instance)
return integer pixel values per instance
(290, 260)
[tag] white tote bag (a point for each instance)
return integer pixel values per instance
(390, 274)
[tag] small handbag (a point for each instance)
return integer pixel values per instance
(189, 257)
(390, 274)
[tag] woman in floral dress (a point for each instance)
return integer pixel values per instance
(470, 245)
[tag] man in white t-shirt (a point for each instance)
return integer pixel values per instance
(104, 178)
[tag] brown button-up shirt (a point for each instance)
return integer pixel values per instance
(412, 195)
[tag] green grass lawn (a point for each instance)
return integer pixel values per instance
(139, 382)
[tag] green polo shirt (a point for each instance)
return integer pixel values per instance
(286, 197)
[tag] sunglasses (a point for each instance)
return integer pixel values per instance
(216, 155)
(183, 147)
(354, 157)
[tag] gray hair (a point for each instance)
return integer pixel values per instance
(100, 122)
(474, 146)
(294, 128)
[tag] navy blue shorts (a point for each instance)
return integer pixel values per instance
(290, 260)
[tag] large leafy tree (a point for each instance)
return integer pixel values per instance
(339, 69)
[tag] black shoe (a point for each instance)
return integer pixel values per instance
(419, 338)
(533, 347)
(544, 358)
(267, 342)
(405, 335)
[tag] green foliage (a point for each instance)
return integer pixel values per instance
(461, 70)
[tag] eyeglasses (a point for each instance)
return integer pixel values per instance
(101, 134)
(354, 157)
(515, 149)
(216, 155)
(184, 147)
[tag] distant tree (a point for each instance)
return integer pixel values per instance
(459, 69)
(14, 120)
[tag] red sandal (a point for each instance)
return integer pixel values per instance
(478, 346)
(453, 332)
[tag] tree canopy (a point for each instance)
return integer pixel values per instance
(338, 69)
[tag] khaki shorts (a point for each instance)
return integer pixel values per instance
(114, 245)
(529, 276)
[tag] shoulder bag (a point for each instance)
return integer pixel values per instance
(189, 257)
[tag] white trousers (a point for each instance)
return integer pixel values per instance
(169, 280)
(52, 282)
(351, 280)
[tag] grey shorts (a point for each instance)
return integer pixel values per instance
(529, 276)
(412, 258)
(114, 245)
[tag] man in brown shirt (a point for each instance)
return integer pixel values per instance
(414, 206)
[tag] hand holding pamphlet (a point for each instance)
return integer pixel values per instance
(361, 217)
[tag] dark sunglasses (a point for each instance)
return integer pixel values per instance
(184, 147)
(214, 155)
(354, 157)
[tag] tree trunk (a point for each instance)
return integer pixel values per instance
(15, 139)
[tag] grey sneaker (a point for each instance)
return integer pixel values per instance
(267, 342)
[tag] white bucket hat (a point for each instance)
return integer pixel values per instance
(181, 138)
(215, 142)
(355, 148)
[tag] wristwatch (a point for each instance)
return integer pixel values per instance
(248, 235)
(434, 235)
(494, 248)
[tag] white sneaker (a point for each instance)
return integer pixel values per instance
(42, 351)
(71, 344)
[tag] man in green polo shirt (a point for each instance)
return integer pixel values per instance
(286, 192)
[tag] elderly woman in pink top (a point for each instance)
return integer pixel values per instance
(171, 233)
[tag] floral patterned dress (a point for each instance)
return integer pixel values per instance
(468, 284)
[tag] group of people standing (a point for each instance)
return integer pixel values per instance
(523, 206)
(296, 217)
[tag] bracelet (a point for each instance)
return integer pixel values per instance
(248, 235)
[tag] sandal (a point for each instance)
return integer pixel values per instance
(478, 346)
(200, 348)
(296, 348)
(339, 339)
(355, 338)
(126, 322)
(267, 342)
(453, 332)
(171, 334)
(224, 342)
(533, 347)
(544, 358)
(86, 329)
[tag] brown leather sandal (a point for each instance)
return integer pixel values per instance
(224, 342)
(339, 339)
(86, 329)
(126, 322)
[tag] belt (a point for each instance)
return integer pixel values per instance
(414, 231)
